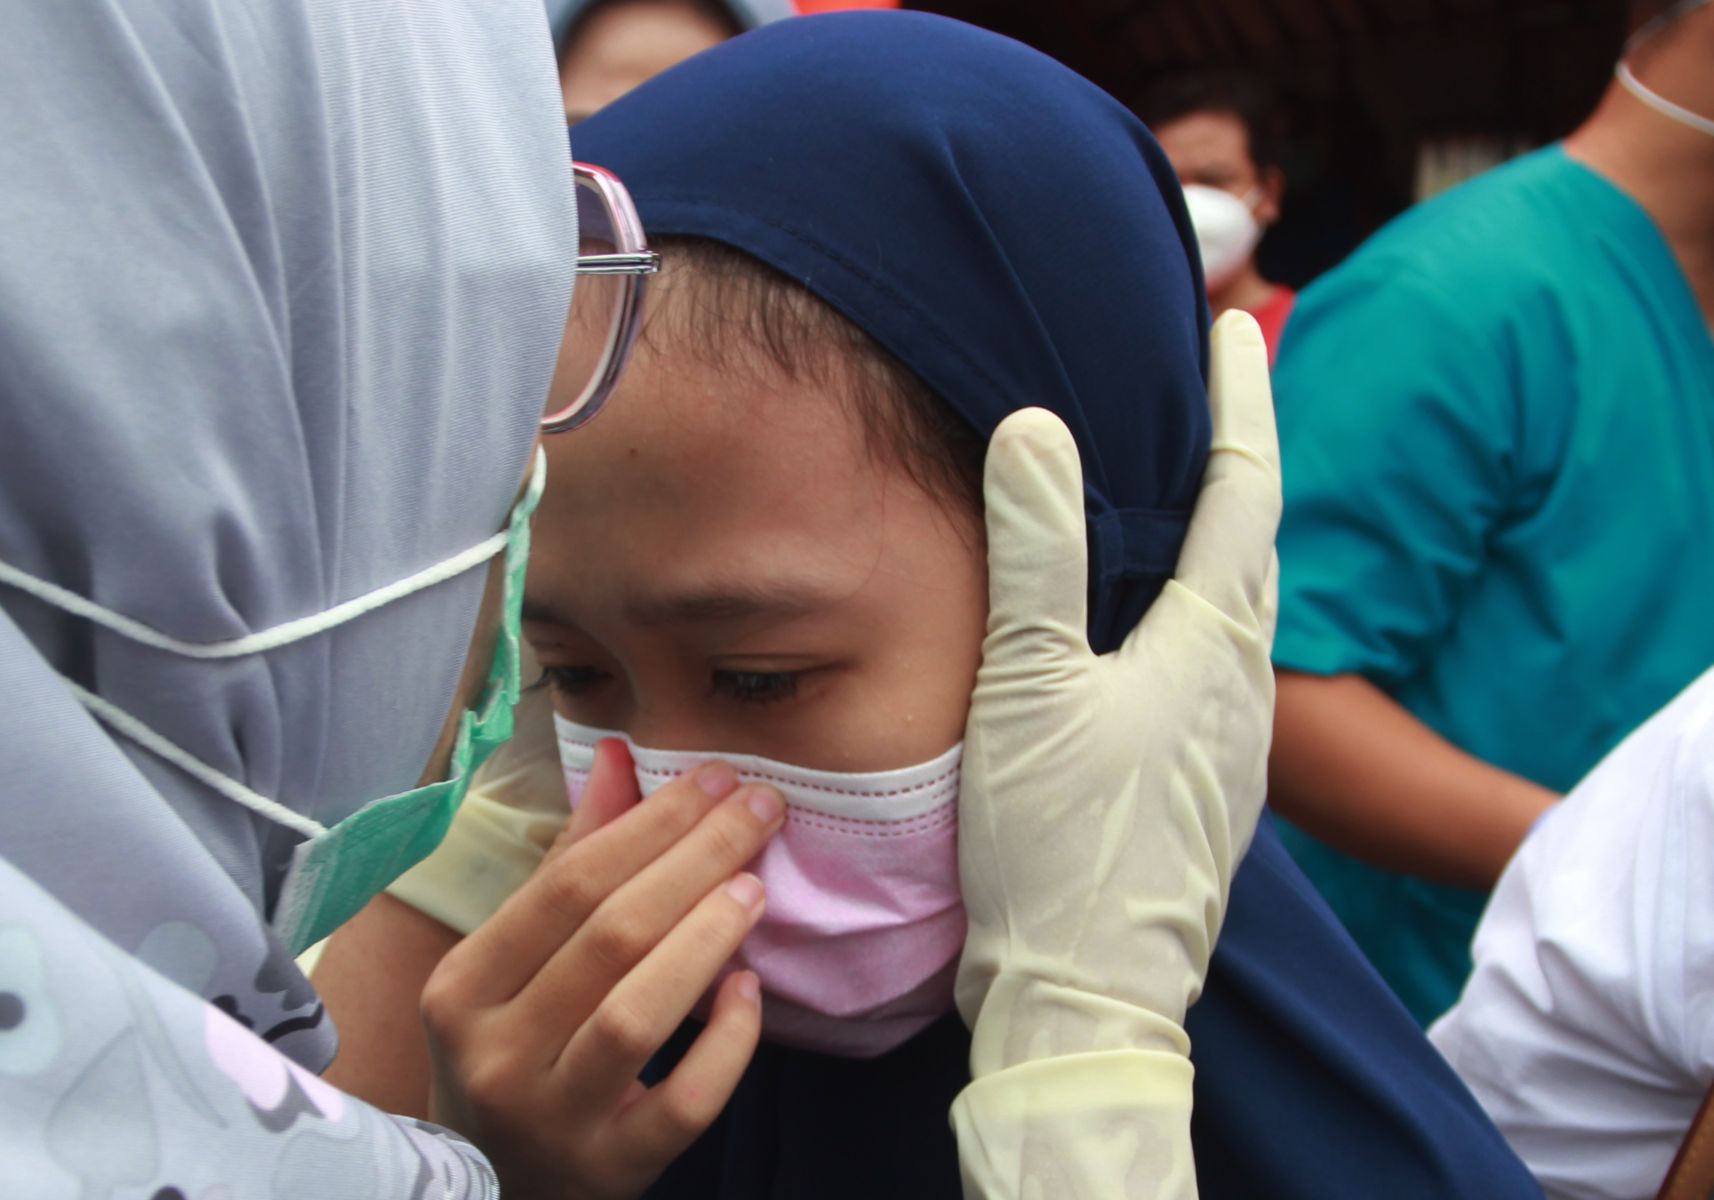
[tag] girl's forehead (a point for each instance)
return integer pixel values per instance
(683, 459)
(693, 485)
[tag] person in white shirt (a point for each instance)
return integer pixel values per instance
(1587, 1029)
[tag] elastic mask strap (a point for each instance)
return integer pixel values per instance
(129, 727)
(286, 632)
(123, 723)
(1642, 91)
(1666, 108)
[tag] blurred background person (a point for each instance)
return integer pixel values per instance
(1497, 423)
(1221, 132)
(608, 47)
(1587, 1029)
(1360, 87)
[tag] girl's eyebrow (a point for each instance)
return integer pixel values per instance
(702, 603)
(729, 602)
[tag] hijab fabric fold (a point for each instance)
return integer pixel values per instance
(1006, 229)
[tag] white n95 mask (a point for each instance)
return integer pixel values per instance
(1226, 230)
(858, 945)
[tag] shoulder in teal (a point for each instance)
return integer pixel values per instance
(1497, 423)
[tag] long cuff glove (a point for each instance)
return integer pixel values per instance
(1106, 804)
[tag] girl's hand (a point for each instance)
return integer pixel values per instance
(540, 1021)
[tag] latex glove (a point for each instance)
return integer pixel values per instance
(1106, 803)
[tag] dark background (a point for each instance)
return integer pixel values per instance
(1360, 83)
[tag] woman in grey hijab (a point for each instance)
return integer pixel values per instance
(283, 287)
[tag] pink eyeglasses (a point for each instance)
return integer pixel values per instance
(612, 261)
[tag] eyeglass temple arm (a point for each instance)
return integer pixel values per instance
(645, 263)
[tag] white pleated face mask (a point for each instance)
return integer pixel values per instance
(1226, 230)
(864, 923)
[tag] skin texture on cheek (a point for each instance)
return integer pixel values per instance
(711, 528)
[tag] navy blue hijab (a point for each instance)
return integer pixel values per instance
(1016, 238)
(1011, 233)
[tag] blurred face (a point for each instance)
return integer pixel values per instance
(1213, 149)
(721, 565)
(628, 42)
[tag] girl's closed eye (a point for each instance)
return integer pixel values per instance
(755, 687)
(573, 680)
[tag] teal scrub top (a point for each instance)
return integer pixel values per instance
(1497, 425)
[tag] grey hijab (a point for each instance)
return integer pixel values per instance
(281, 290)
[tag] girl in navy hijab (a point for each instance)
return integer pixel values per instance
(1003, 235)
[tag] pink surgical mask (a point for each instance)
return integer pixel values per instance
(859, 943)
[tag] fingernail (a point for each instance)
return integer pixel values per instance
(749, 987)
(765, 803)
(716, 780)
(746, 889)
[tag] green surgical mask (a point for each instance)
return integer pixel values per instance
(336, 870)
(339, 870)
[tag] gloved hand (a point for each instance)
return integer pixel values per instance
(1106, 803)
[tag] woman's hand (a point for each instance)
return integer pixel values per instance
(1106, 802)
(540, 1021)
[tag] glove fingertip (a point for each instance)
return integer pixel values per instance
(1037, 550)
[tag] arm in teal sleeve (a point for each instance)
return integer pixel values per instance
(1398, 422)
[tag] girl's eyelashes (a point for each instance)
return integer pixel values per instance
(573, 681)
(746, 687)
(755, 687)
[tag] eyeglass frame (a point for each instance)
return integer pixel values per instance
(633, 261)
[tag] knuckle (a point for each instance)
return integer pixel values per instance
(567, 888)
(441, 1004)
(732, 840)
(625, 1030)
(721, 921)
(492, 1083)
(685, 1110)
(618, 941)
(679, 802)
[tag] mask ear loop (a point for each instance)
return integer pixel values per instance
(263, 640)
(1660, 103)
(1647, 95)
(129, 727)
(288, 631)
